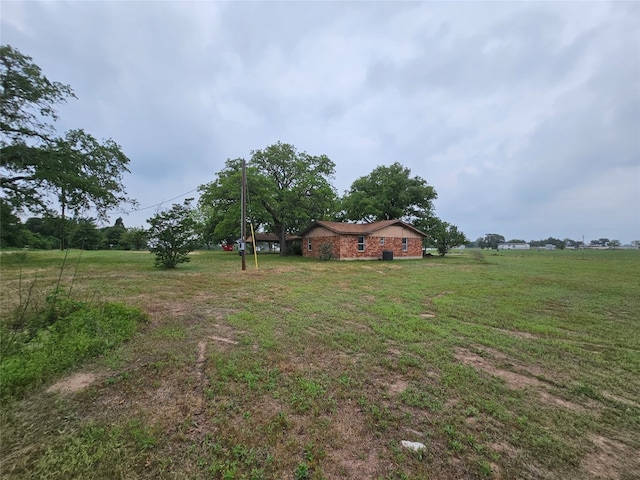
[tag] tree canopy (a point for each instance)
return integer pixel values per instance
(442, 235)
(287, 189)
(389, 193)
(39, 166)
(490, 240)
(219, 204)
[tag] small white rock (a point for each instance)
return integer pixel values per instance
(412, 445)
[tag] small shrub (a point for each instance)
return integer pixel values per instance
(325, 252)
(172, 235)
(295, 249)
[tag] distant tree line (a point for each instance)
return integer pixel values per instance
(492, 240)
(50, 232)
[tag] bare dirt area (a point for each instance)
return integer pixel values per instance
(517, 377)
(611, 460)
(73, 383)
(354, 453)
(607, 459)
(487, 362)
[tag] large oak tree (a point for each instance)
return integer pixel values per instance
(389, 193)
(287, 189)
(219, 209)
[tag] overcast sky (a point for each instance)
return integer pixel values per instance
(524, 116)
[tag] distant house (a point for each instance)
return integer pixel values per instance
(271, 239)
(363, 241)
(514, 246)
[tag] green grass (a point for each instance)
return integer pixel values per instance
(509, 365)
(76, 334)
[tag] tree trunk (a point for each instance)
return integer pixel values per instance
(282, 233)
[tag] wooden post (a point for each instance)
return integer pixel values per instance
(243, 225)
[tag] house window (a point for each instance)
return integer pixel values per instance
(308, 244)
(382, 241)
(405, 244)
(361, 244)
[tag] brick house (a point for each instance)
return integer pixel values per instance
(363, 241)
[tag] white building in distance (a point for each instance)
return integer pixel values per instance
(514, 246)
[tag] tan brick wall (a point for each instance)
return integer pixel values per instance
(346, 247)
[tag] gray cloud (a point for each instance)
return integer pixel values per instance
(524, 116)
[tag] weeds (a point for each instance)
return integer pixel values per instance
(478, 256)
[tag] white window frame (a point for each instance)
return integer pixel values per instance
(361, 245)
(382, 241)
(405, 244)
(308, 244)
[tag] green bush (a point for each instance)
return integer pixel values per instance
(326, 252)
(295, 249)
(172, 235)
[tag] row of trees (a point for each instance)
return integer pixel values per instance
(49, 232)
(61, 176)
(288, 189)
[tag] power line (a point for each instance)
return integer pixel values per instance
(161, 203)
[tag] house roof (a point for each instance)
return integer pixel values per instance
(270, 237)
(343, 228)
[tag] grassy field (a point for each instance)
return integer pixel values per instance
(511, 365)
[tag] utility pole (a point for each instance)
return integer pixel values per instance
(243, 224)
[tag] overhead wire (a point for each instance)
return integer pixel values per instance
(161, 203)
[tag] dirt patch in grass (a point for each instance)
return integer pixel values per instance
(223, 340)
(171, 404)
(398, 387)
(524, 377)
(550, 399)
(611, 460)
(73, 383)
(354, 452)
(512, 379)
